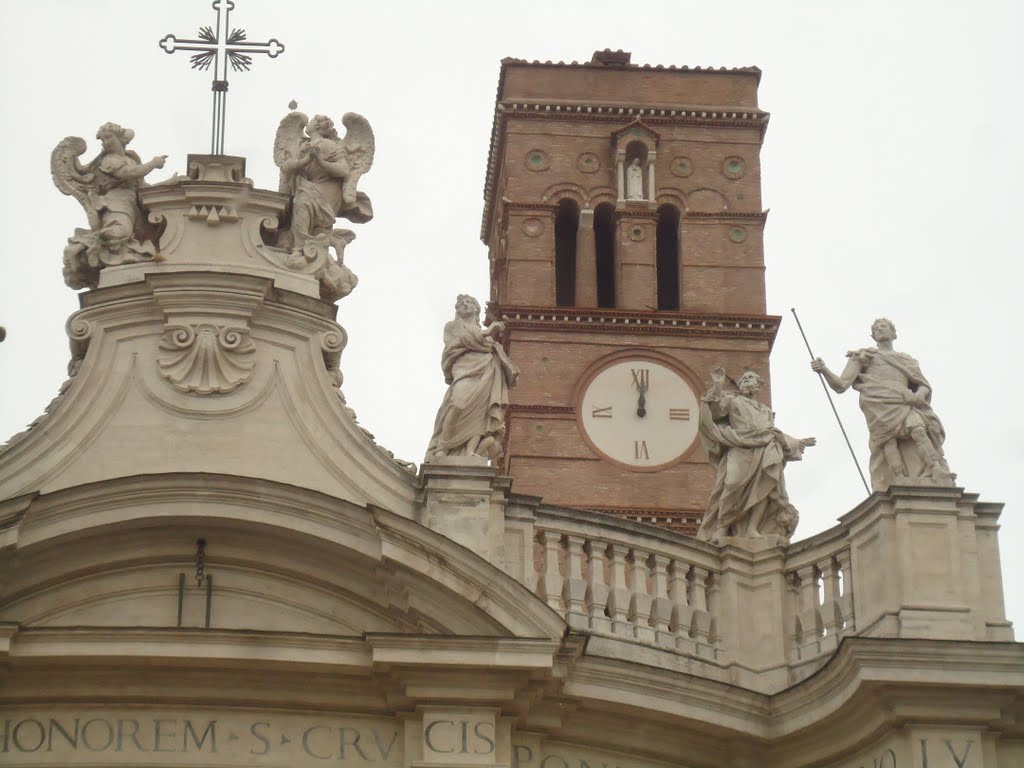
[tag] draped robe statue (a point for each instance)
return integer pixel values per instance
(906, 436)
(748, 453)
(471, 419)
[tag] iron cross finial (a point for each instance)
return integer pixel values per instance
(218, 48)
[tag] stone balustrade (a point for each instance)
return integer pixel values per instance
(913, 562)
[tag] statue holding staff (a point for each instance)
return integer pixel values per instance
(905, 434)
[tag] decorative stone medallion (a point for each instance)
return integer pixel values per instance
(588, 162)
(533, 227)
(734, 167)
(537, 160)
(738, 234)
(682, 166)
(205, 358)
(636, 232)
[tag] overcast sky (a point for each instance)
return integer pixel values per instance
(892, 167)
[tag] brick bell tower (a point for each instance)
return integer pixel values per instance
(622, 212)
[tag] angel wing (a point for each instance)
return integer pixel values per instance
(359, 148)
(287, 144)
(71, 178)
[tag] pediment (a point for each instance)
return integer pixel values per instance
(635, 130)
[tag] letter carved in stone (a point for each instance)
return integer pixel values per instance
(206, 358)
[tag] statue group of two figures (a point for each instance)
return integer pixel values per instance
(748, 452)
(319, 170)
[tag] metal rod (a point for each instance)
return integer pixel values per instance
(181, 595)
(828, 394)
(209, 598)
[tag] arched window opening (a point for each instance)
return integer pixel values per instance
(668, 257)
(567, 222)
(604, 253)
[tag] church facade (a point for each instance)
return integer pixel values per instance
(207, 561)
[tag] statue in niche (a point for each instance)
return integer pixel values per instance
(471, 419)
(905, 434)
(748, 453)
(635, 181)
(321, 171)
(106, 188)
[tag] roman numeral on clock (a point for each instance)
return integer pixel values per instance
(640, 450)
(641, 377)
(601, 413)
(679, 414)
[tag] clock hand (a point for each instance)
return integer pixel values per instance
(641, 403)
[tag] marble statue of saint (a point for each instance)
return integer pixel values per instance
(905, 434)
(471, 419)
(635, 181)
(748, 453)
(106, 189)
(321, 171)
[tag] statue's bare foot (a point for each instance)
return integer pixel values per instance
(941, 475)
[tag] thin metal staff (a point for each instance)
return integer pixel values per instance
(828, 394)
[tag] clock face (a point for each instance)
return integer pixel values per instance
(639, 413)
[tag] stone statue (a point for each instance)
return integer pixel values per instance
(106, 188)
(748, 453)
(471, 419)
(905, 434)
(635, 181)
(321, 172)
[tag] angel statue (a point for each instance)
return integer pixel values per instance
(321, 171)
(106, 188)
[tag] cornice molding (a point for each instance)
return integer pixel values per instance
(762, 327)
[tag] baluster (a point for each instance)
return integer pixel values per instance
(661, 610)
(549, 585)
(714, 592)
(597, 589)
(641, 600)
(831, 616)
(846, 600)
(810, 634)
(791, 626)
(700, 623)
(574, 589)
(681, 611)
(618, 595)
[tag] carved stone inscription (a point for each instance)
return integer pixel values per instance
(164, 738)
(924, 750)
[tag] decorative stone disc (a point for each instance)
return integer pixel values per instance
(533, 227)
(588, 162)
(537, 160)
(682, 166)
(734, 167)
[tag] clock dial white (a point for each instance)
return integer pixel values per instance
(639, 413)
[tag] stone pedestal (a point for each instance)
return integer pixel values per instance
(920, 556)
(466, 503)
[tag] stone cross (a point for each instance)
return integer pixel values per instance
(218, 47)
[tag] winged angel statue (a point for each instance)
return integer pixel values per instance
(321, 172)
(106, 188)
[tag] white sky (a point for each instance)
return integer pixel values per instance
(890, 166)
